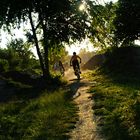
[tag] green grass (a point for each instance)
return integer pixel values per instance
(50, 115)
(117, 102)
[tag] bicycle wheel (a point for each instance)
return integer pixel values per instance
(78, 76)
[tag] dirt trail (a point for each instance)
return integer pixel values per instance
(85, 128)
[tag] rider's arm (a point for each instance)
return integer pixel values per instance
(79, 58)
(71, 61)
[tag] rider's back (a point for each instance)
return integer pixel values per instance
(75, 57)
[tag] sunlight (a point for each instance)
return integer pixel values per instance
(76, 47)
(82, 7)
(137, 42)
(102, 2)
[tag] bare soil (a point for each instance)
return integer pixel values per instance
(85, 128)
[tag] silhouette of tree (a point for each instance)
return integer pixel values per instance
(127, 22)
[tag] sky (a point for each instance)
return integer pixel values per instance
(106, 1)
(80, 45)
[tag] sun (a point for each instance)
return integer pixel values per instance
(82, 7)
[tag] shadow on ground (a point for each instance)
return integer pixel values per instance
(75, 84)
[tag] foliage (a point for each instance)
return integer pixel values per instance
(18, 56)
(102, 25)
(4, 66)
(21, 47)
(127, 21)
(11, 57)
(57, 52)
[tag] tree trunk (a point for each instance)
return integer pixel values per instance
(46, 50)
(36, 44)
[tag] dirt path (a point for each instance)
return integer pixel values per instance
(85, 128)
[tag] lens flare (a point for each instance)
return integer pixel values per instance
(81, 7)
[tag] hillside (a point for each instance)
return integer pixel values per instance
(95, 61)
(116, 94)
(126, 59)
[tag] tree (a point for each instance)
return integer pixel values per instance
(59, 21)
(18, 55)
(102, 25)
(127, 21)
(21, 52)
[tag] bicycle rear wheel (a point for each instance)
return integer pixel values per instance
(78, 76)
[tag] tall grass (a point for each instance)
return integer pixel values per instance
(47, 117)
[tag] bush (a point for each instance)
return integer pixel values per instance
(4, 65)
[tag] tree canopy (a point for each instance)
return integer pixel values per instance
(62, 18)
(102, 25)
(58, 21)
(127, 22)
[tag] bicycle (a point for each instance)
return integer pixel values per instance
(58, 68)
(77, 73)
(62, 71)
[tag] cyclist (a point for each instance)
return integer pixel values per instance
(58, 66)
(74, 61)
(61, 68)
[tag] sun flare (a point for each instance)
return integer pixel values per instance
(81, 7)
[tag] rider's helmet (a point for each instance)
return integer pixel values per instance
(74, 53)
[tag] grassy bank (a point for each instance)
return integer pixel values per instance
(47, 116)
(116, 94)
(117, 102)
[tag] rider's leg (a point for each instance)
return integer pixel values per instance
(78, 66)
(74, 65)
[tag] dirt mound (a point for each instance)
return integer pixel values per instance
(124, 59)
(94, 62)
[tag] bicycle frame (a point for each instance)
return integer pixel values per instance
(77, 72)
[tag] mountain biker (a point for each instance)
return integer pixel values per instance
(61, 67)
(74, 61)
(58, 66)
